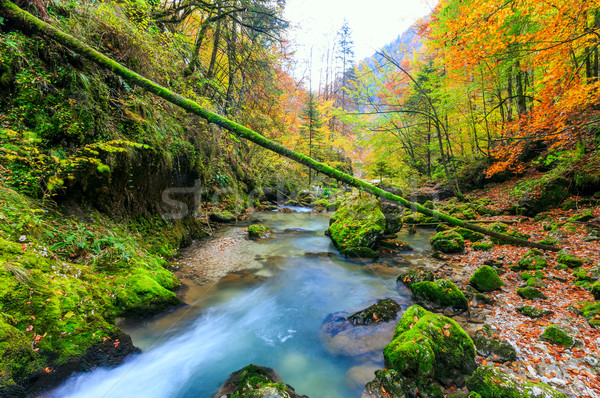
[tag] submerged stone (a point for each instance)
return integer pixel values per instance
(491, 382)
(486, 279)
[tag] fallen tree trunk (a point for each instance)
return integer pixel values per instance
(29, 21)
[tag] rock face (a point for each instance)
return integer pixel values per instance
(256, 382)
(448, 242)
(439, 295)
(357, 224)
(490, 382)
(486, 279)
(426, 352)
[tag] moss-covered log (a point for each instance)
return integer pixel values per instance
(30, 22)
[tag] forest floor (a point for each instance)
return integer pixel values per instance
(574, 370)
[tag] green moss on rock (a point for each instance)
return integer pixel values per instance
(582, 216)
(554, 334)
(414, 276)
(224, 216)
(493, 347)
(595, 290)
(536, 282)
(486, 279)
(359, 223)
(533, 312)
(359, 252)
(491, 382)
(469, 235)
(429, 348)
(483, 246)
(439, 294)
(531, 293)
(448, 242)
(383, 311)
(568, 259)
(255, 382)
(257, 231)
(531, 263)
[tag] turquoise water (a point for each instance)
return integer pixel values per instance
(190, 352)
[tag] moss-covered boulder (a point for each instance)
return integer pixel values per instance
(555, 334)
(448, 242)
(491, 382)
(582, 216)
(359, 223)
(430, 349)
(469, 235)
(533, 312)
(257, 231)
(595, 290)
(222, 216)
(19, 360)
(532, 261)
(256, 382)
(590, 311)
(536, 282)
(359, 252)
(531, 293)
(415, 275)
(493, 347)
(383, 311)
(541, 195)
(483, 246)
(395, 244)
(486, 279)
(439, 294)
(568, 259)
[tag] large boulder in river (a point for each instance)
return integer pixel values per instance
(359, 223)
(426, 352)
(256, 382)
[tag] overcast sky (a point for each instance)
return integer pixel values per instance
(374, 23)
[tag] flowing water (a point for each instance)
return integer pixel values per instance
(270, 316)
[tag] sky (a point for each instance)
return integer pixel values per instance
(374, 23)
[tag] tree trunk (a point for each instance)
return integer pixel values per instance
(29, 22)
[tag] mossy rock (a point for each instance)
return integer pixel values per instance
(359, 223)
(483, 299)
(549, 241)
(493, 347)
(324, 203)
(225, 217)
(430, 349)
(528, 275)
(486, 279)
(568, 259)
(439, 294)
(415, 276)
(554, 334)
(418, 218)
(590, 311)
(499, 227)
(542, 195)
(448, 242)
(582, 216)
(483, 246)
(531, 293)
(256, 382)
(595, 290)
(143, 296)
(536, 282)
(359, 252)
(491, 382)
(530, 263)
(18, 360)
(395, 244)
(397, 386)
(469, 235)
(590, 275)
(384, 311)
(257, 231)
(442, 227)
(533, 312)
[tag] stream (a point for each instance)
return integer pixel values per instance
(269, 312)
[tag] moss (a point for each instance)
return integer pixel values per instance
(395, 244)
(549, 241)
(568, 259)
(590, 311)
(582, 216)
(448, 242)
(595, 290)
(430, 348)
(469, 235)
(439, 294)
(554, 334)
(255, 382)
(531, 263)
(141, 295)
(528, 275)
(324, 203)
(359, 252)
(222, 216)
(493, 347)
(357, 224)
(18, 360)
(486, 279)
(491, 382)
(499, 227)
(536, 282)
(483, 246)
(533, 312)
(530, 293)
(256, 231)
(384, 311)
(414, 276)
(418, 218)
(395, 385)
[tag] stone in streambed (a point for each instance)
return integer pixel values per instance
(555, 334)
(256, 382)
(531, 293)
(568, 259)
(384, 311)
(486, 279)
(357, 224)
(533, 312)
(415, 275)
(448, 242)
(493, 347)
(439, 295)
(257, 231)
